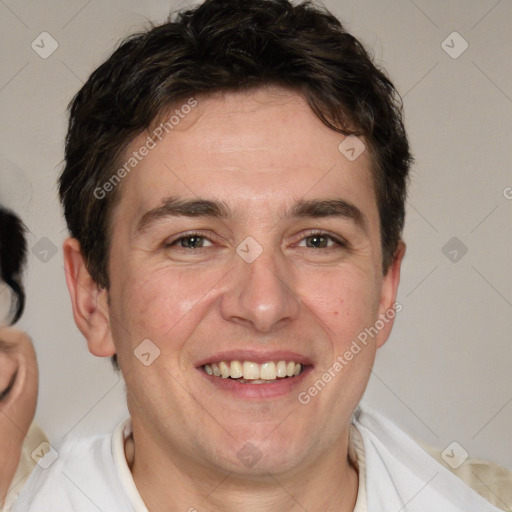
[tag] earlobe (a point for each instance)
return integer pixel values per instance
(89, 301)
(391, 280)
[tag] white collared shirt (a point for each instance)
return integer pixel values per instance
(395, 473)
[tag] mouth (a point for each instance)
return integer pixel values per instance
(252, 375)
(250, 372)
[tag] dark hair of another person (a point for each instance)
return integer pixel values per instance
(13, 254)
(229, 45)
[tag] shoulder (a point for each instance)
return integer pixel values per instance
(34, 442)
(77, 475)
(488, 479)
(400, 471)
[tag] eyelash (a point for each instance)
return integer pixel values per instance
(184, 237)
(5, 393)
(340, 242)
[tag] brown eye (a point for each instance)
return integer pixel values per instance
(317, 241)
(191, 241)
(320, 241)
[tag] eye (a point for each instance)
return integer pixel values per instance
(190, 241)
(5, 392)
(321, 241)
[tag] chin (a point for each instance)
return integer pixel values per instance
(257, 458)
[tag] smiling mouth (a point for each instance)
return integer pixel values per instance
(253, 373)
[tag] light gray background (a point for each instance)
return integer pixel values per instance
(445, 374)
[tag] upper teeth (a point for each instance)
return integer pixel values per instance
(253, 371)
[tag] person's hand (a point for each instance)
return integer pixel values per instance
(18, 399)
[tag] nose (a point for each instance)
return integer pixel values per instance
(260, 294)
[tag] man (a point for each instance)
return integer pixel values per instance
(234, 185)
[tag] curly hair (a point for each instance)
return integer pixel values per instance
(229, 45)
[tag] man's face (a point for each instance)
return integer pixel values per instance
(281, 263)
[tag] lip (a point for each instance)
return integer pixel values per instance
(255, 356)
(276, 389)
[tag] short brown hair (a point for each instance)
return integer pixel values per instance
(229, 45)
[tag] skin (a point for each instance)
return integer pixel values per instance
(259, 152)
(17, 408)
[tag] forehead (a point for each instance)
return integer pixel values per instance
(254, 149)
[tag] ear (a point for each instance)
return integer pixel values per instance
(387, 305)
(89, 301)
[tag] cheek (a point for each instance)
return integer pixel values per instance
(162, 304)
(26, 403)
(20, 404)
(346, 301)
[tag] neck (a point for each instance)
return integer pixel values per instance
(173, 482)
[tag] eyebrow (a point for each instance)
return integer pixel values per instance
(174, 207)
(330, 208)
